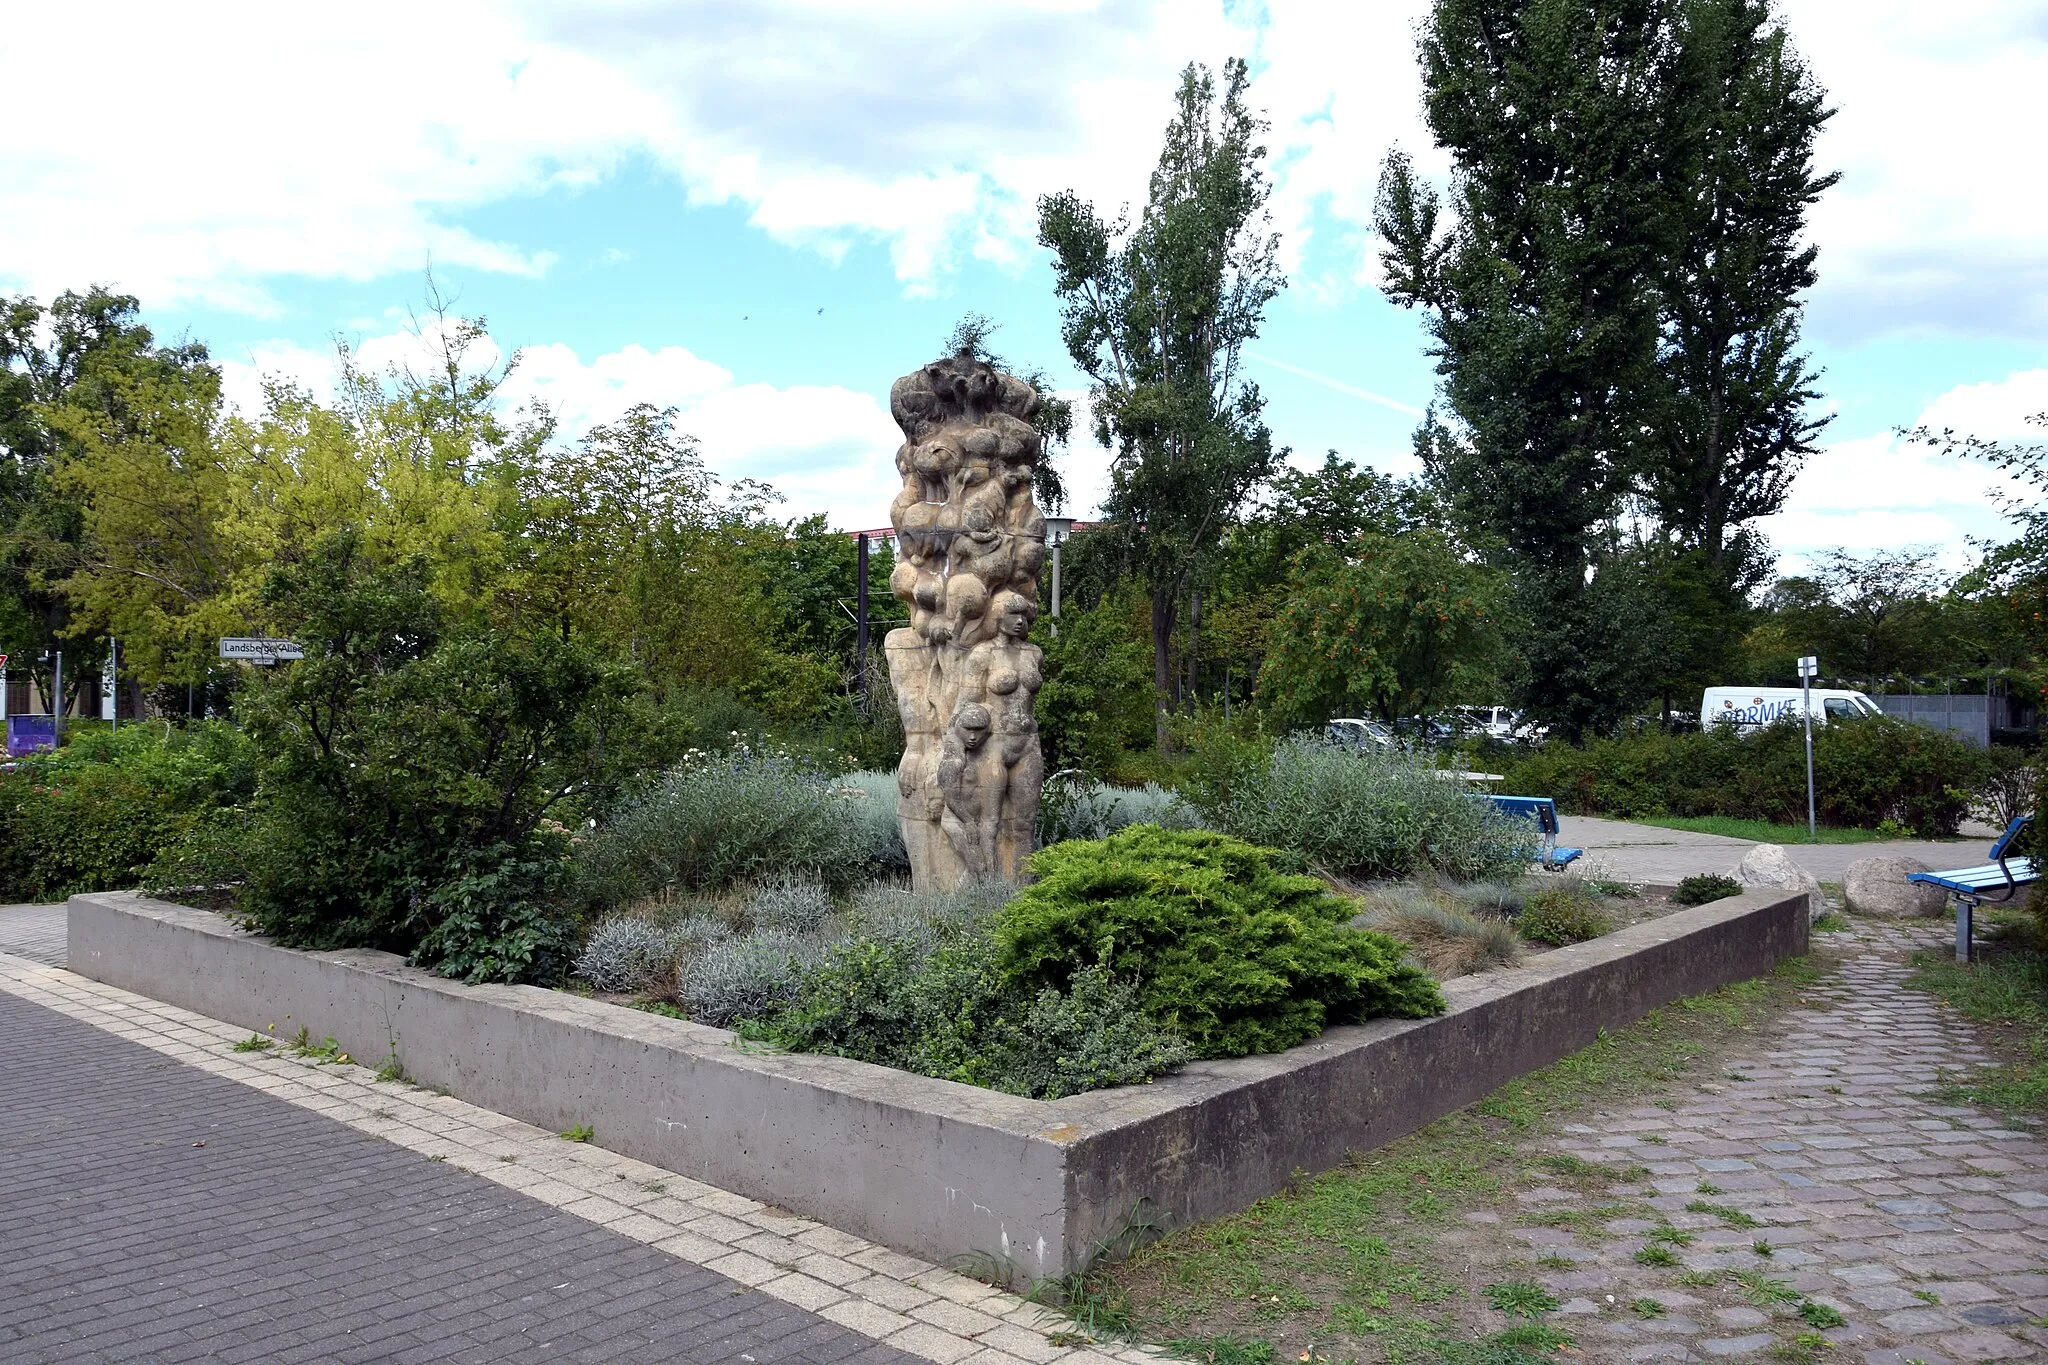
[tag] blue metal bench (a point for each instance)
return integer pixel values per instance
(1543, 811)
(1998, 880)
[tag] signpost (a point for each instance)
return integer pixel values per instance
(110, 685)
(1809, 665)
(258, 650)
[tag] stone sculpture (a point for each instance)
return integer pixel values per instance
(970, 541)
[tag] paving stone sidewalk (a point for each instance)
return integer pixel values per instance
(36, 932)
(166, 1198)
(1925, 1225)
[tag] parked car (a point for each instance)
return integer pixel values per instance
(1360, 733)
(1495, 722)
(1751, 708)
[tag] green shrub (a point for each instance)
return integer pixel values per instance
(498, 917)
(876, 814)
(1231, 954)
(1866, 771)
(1365, 814)
(1560, 915)
(923, 995)
(720, 819)
(1704, 888)
(407, 775)
(94, 815)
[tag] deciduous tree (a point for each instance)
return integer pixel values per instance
(1157, 313)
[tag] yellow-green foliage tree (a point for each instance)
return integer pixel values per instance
(1393, 625)
(623, 541)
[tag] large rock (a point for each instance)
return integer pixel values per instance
(1878, 886)
(1768, 865)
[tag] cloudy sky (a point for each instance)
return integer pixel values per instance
(762, 211)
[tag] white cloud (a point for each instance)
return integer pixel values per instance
(1935, 225)
(824, 448)
(216, 154)
(1936, 222)
(1883, 492)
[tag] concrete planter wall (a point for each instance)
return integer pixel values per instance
(931, 1167)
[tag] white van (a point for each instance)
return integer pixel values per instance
(1754, 707)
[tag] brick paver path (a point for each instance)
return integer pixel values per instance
(35, 932)
(1924, 1225)
(155, 1213)
(165, 1197)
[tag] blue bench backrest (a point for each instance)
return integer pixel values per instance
(1541, 809)
(2013, 831)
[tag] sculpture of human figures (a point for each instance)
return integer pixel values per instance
(971, 541)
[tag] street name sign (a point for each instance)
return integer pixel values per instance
(256, 650)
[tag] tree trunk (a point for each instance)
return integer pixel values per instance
(1162, 664)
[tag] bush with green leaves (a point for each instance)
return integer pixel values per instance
(97, 813)
(1563, 914)
(725, 818)
(1224, 949)
(1705, 888)
(408, 775)
(1866, 771)
(1365, 814)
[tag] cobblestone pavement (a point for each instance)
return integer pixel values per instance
(36, 932)
(166, 1198)
(1925, 1226)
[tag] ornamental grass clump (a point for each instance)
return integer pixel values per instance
(1448, 941)
(1367, 814)
(1222, 948)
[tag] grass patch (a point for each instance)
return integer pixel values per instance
(2007, 989)
(1763, 1291)
(1758, 831)
(255, 1042)
(1727, 1213)
(1366, 1261)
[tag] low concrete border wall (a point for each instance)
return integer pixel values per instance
(932, 1167)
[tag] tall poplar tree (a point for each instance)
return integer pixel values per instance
(1614, 302)
(1157, 313)
(1540, 294)
(1730, 416)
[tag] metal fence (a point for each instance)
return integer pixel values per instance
(1968, 718)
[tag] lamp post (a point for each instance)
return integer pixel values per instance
(860, 623)
(1808, 666)
(1057, 529)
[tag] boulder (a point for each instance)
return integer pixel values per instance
(1768, 865)
(1878, 886)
